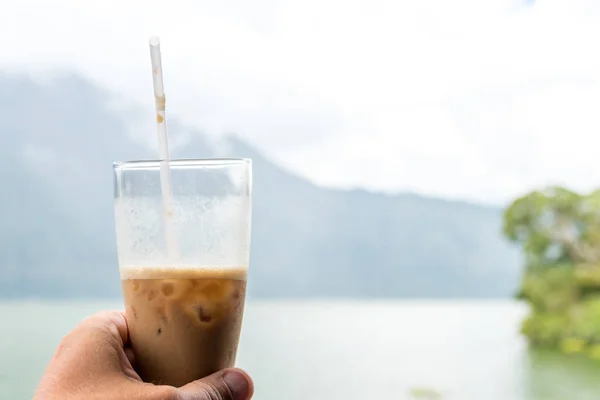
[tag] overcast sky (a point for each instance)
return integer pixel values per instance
(470, 99)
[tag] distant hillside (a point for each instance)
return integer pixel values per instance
(57, 144)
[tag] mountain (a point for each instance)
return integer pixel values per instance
(59, 137)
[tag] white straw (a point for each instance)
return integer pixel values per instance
(163, 146)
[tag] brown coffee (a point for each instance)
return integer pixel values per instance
(184, 324)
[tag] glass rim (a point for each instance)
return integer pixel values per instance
(182, 162)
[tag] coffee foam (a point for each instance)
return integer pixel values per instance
(184, 272)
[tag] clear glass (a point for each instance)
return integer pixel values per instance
(183, 268)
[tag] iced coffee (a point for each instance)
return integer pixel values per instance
(184, 324)
(183, 271)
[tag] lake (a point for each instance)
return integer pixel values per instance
(322, 350)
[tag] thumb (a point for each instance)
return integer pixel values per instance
(229, 384)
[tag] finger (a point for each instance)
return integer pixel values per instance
(100, 340)
(116, 324)
(229, 384)
(113, 322)
(130, 355)
(128, 364)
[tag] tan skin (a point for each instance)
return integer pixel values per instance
(93, 362)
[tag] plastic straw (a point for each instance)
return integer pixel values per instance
(163, 146)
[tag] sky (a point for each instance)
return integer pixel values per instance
(464, 99)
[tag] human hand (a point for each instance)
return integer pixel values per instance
(93, 363)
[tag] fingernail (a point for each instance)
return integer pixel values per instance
(238, 384)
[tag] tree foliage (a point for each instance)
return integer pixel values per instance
(559, 233)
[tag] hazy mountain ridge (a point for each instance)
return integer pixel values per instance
(57, 144)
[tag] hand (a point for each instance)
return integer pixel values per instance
(93, 363)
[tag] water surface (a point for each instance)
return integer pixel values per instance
(322, 350)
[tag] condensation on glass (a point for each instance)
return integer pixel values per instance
(209, 221)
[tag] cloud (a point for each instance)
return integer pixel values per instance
(472, 99)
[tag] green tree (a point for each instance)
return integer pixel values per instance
(559, 232)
